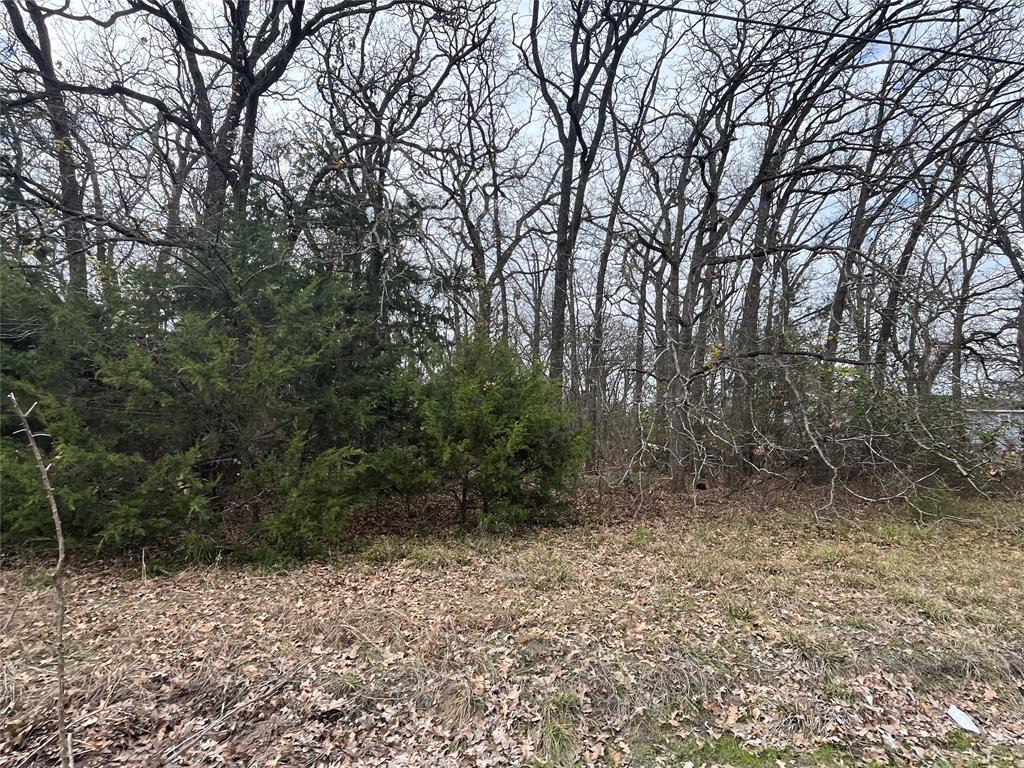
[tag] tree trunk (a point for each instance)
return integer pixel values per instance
(72, 191)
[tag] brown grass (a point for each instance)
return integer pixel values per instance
(612, 644)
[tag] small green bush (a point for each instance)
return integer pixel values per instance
(499, 431)
(24, 514)
(109, 500)
(313, 512)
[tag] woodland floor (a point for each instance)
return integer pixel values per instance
(726, 632)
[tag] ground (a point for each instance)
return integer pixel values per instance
(717, 632)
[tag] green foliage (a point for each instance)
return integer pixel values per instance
(309, 498)
(315, 502)
(25, 515)
(499, 430)
(246, 386)
(108, 499)
(245, 397)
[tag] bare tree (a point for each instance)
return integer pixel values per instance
(579, 100)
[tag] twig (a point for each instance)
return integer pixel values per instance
(27, 760)
(267, 691)
(13, 612)
(58, 584)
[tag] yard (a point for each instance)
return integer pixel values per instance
(712, 633)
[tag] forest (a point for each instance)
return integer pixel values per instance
(281, 278)
(241, 245)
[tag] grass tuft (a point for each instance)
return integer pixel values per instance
(558, 741)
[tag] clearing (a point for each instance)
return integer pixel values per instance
(707, 634)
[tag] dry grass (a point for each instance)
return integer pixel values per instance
(638, 643)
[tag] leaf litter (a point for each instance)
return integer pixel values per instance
(640, 640)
